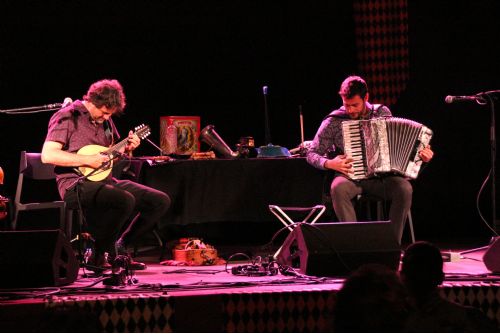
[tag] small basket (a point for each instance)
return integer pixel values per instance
(194, 252)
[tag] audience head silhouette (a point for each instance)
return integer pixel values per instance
(372, 299)
(422, 273)
(422, 268)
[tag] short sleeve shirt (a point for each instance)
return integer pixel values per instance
(74, 128)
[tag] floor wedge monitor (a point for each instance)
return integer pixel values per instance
(36, 259)
(491, 257)
(336, 249)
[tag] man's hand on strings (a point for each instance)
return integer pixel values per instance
(96, 160)
(132, 142)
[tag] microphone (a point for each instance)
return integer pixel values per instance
(453, 99)
(67, 101)
(264, 90)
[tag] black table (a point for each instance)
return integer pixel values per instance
(238, 191)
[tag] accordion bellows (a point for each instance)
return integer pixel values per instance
(385, 145)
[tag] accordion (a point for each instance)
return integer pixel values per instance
(385, 145)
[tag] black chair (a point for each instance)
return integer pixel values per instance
(31, 168)
(381, 211)
(363, 206)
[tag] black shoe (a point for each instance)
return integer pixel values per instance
(134, 265)
(98, 263)
(131, 264)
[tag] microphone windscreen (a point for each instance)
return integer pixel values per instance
(67, 101)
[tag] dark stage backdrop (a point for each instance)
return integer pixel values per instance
(211, 58)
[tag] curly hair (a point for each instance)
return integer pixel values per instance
(352, 86)
(108, 93)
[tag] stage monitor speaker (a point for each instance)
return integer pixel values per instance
(36, 259)
(491, 257)
(336, 249)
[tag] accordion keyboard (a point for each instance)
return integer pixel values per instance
(354, 147)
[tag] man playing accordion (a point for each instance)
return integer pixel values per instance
(390, 187)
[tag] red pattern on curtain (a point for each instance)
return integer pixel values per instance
(381, 29)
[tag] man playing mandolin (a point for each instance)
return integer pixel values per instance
(81, 143)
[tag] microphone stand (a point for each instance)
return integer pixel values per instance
(269, 150)
(32, 110)
(492, 171)
(493, 159)
(80, 237)
(267, 131)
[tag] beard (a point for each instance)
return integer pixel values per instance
(360, 114)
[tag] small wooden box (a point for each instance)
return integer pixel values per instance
(188, 133)
(194, 252)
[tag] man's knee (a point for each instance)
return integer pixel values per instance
(159, 200)
(126, 201)
(341, 189)
(163, 201)
(403, 189)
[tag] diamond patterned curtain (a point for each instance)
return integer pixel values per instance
(381, 29)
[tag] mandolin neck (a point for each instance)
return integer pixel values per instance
(117, 147)
(141, 131)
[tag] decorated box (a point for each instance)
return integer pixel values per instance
(187, 130)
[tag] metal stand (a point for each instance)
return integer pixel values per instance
(482, 101)
(479, 248)
(314, 213)
(493, 147)
(32, 110)
(488, 98)
(279, 212)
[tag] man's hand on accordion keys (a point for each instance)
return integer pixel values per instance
(426, 154)
(341, 163)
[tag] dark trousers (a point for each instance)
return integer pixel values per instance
(110, 206)
(394, 189)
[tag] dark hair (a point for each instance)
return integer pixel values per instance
(108, 93)
(372, 299)
(422, 267)
(352, 86)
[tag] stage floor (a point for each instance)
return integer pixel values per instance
(211, 298)
(188, 280)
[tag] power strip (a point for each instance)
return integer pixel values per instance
(451, 256)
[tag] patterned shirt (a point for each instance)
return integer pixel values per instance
(74, 128)
(329, 136)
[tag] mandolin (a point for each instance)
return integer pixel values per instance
(99, 174)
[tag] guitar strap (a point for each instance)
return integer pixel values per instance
(108, 132)
(111, 131)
